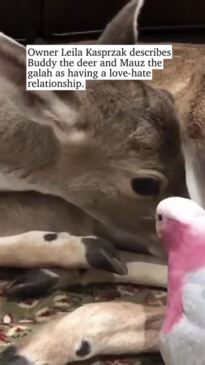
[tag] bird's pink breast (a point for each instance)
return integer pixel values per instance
(186, 254)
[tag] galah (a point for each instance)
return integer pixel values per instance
(180, 223)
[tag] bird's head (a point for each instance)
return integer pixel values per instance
(174, 216)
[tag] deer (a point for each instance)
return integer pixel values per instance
(81, 175)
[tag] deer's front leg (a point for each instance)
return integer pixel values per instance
(142, 269)
(93, 329)
(43, 249)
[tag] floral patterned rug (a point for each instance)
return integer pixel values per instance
(18, 318)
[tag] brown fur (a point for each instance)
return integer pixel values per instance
(119, 135)
(185, 78)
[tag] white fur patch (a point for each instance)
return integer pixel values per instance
(137, 13)
(9, 182)
(191, 179)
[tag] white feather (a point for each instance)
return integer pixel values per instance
(181, 209)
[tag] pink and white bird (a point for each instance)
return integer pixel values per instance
(181, 225)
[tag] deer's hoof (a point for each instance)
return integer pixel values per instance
(102, 255)
(32, 283)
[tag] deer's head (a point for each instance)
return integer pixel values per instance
(115, 147)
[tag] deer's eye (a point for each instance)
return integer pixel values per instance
(145, 185)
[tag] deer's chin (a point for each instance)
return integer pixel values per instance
(140, 242)
(156, 249)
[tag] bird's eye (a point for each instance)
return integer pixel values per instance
(145, 185)
(160, 218)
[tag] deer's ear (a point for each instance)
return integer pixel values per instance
(57, 109)
(123, 28)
